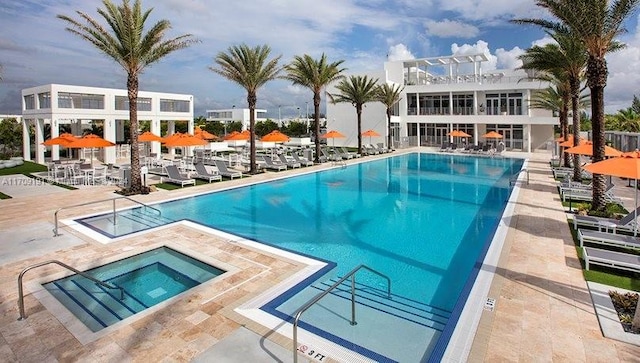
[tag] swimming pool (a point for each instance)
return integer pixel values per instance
(425, 220)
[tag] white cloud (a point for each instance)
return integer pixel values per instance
(543, 41)
(450, 28)
(508, 59)
(399, 52)
(480, 47)
(489, 10)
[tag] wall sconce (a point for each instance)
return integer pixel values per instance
(481, 107)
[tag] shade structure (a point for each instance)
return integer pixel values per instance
(492, 135)
(625, 166)
(587, 150)
(184, 140)
(237, 136)
(90, 141)
(148, 136)
(275, 136)
(332, 135)
(569, 143)
(63, 140)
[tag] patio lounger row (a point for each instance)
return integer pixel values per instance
(618, 260)
(626, 223)
(289, 163)
(224, 171)
(270, 164)
(176, 177)
(301, 160)
(609, 239)
(202, 173)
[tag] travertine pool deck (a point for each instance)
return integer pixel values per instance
(543, 309)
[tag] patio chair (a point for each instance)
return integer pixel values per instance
(204, 174)
(289, 163)
(607, 239)
(175, 177)
(99, 175)
(625, 223)
(224, 171)
(344, 151)
(612, 259)
(369, 149)
(270, 164)
(301, 160)
(444, 147)
(380, 147)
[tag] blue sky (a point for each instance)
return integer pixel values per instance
(35, 49)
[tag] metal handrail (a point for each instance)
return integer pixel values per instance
(514, 178)
(311, 302)
(23, 315)
(55, 215)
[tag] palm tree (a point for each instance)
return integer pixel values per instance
(627, 120)
(125, 41)
(249, 68)
(389, 95)
(555, 98)
(356, 90)
(315, 75)
(562, 63)
(596, 24)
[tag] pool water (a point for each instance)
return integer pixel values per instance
(145, 280)
(424, 220)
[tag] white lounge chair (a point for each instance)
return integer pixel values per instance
(606, 238)
(202, 173)
(224, 171)
(625, 223)
(618, 260)
(301, 160)
(290, 163)
(270, 164)
(176, 177)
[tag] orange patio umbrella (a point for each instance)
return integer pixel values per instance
(333, 134)
(62, 140)
(184, 140)
(275, 136)
(460, 133)
(90, 141)
(203, 134)
(625, 166)
(569, 143)
(587, 150)
(492, 135)
(148, 136)
(237, 136)
(371, 133)
(561, 138)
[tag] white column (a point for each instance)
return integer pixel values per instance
(171, 129)
(450, 103)
(475, 134)
(26, 140)
(155, 128)
(109, 133)
(528, 127)
(190, 130)
(55, 132)
(39, 124)
(475, 103)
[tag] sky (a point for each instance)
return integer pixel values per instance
(35, 48)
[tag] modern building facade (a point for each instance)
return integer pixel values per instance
(56, 104)
(236, 114)
(448, 93)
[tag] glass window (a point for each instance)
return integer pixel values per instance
(80, 100)
(44, 100)
(122, 103)
(29, 102)
(174, 105)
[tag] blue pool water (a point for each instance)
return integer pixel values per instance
(424, 220)
(146, 279)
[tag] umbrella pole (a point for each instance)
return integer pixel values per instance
(635, 224)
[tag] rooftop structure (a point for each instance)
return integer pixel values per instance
(236, 114)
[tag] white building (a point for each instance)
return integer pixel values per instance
(56, 104)
(442, 94)
(236, 114)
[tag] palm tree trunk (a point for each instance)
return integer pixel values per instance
(575, 95)
(359, 113)
(132, 93)
(316, 110)
(389, 128)
(636, 317)
(597, 80)
(252, 99)
(564, 124)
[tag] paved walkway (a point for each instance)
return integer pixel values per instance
(543, 309)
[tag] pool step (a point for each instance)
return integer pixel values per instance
(146, 219)
(100, 307)
(407, 309)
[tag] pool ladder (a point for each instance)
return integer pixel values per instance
(310, 303)
(113, 200)
(23, 315)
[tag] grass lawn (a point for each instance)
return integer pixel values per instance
(171, 186)
(4, 196)
(26, 169)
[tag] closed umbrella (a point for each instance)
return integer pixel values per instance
(625, 166)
